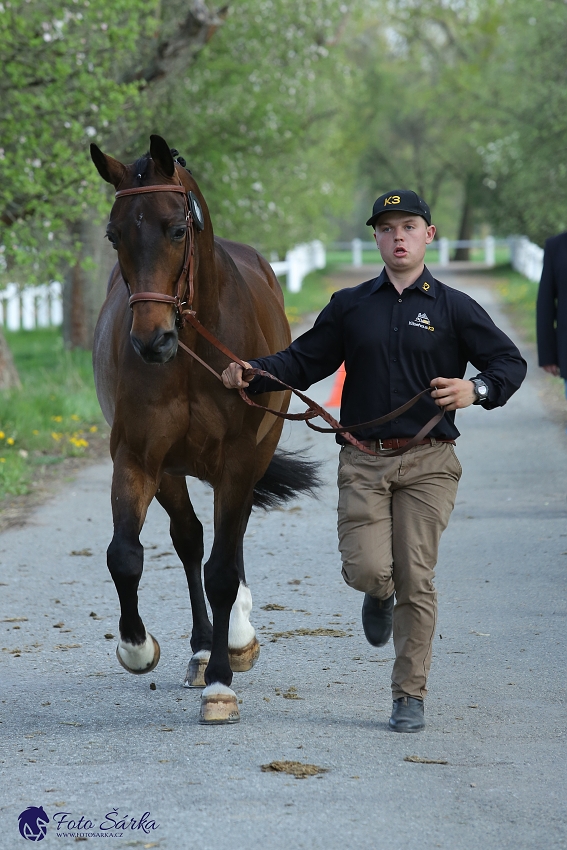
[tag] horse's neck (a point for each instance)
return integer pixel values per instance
(206, 302)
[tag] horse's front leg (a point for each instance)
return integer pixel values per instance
(187, 538)
(233, 502)
(132, 491)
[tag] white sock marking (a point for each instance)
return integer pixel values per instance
(240, 630)
(217, 688)
(137, 657)
(203, 654)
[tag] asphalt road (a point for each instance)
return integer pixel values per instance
(81, 736)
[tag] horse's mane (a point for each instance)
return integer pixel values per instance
(141, 164)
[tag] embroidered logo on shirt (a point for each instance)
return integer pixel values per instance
(425, 286)
(422, 321)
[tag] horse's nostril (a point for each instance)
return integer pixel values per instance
(159, 349)
(137, 343)
(164, 343)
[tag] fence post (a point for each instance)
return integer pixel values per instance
(357, 253)
(319, 254)
(28, 309)
(443, 251)
(12, 307)
(489, 251)
(293, 259)
(55, 291)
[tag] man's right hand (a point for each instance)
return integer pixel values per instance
(552, 368)
(232, 376)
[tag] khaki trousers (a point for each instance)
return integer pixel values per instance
(391, 514)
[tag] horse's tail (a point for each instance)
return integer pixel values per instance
(287, 476)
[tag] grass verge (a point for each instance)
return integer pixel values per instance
(518, 296)
(315, 292)
(53, 417)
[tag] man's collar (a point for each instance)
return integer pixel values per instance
(425, 282)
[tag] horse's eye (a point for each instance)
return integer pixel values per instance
(179, 233)
(112, 238)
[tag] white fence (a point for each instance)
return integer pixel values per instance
(527, 258)
(299, 261)
(31, 307)
(444, 246)
(42, 306)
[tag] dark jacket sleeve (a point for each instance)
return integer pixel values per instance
(498, 360)
(546, 310)
(311, 357)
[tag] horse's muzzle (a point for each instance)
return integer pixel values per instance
(161, 348)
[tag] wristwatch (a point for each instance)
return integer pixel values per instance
(480, 390)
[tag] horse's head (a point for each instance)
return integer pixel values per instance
(152, 232)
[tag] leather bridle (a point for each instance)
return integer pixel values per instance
(185, 313)
(184, 287)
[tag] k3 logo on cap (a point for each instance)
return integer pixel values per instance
(393, 199)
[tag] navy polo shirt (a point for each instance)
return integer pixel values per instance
(393, 346)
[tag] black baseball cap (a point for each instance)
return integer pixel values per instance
(402, 200)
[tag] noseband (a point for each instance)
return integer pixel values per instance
(184, 286)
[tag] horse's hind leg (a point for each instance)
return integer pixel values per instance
(243, 646)
(187, 538)
(132, 492)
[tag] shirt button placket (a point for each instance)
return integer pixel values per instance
(394, 349)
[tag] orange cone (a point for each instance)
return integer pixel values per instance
(337, 391)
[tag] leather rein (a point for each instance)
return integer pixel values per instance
(185, 314)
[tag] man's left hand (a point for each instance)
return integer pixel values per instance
(453, 393)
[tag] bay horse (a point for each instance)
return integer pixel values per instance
(170, 418)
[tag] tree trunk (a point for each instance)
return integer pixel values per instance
(9, 378)
(467, 222)
(85, 285)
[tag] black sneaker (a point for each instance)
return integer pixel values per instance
(377, 619)
(407, 715)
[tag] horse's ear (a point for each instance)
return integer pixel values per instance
(161, 155)
(109, 169)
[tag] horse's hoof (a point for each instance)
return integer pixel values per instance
(218, 705)
(139, 658)
(195, 676)
(242, 660)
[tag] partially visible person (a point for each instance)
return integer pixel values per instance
(552, 308)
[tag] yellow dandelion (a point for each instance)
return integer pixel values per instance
(57, 419)
(93, 429)
(10, 441)
(78, 442)
(74, 417)
(2, 435)
(56, 436)
(2, 460)
(36, 432)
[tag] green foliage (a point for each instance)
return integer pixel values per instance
(518, 294)
(53, 416)
(60, 88)
(258, 117)
(526, 83)
(416, 114)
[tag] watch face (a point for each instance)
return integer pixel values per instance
(482, 390)
(196, 211)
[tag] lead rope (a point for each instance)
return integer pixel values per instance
(314, 410)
